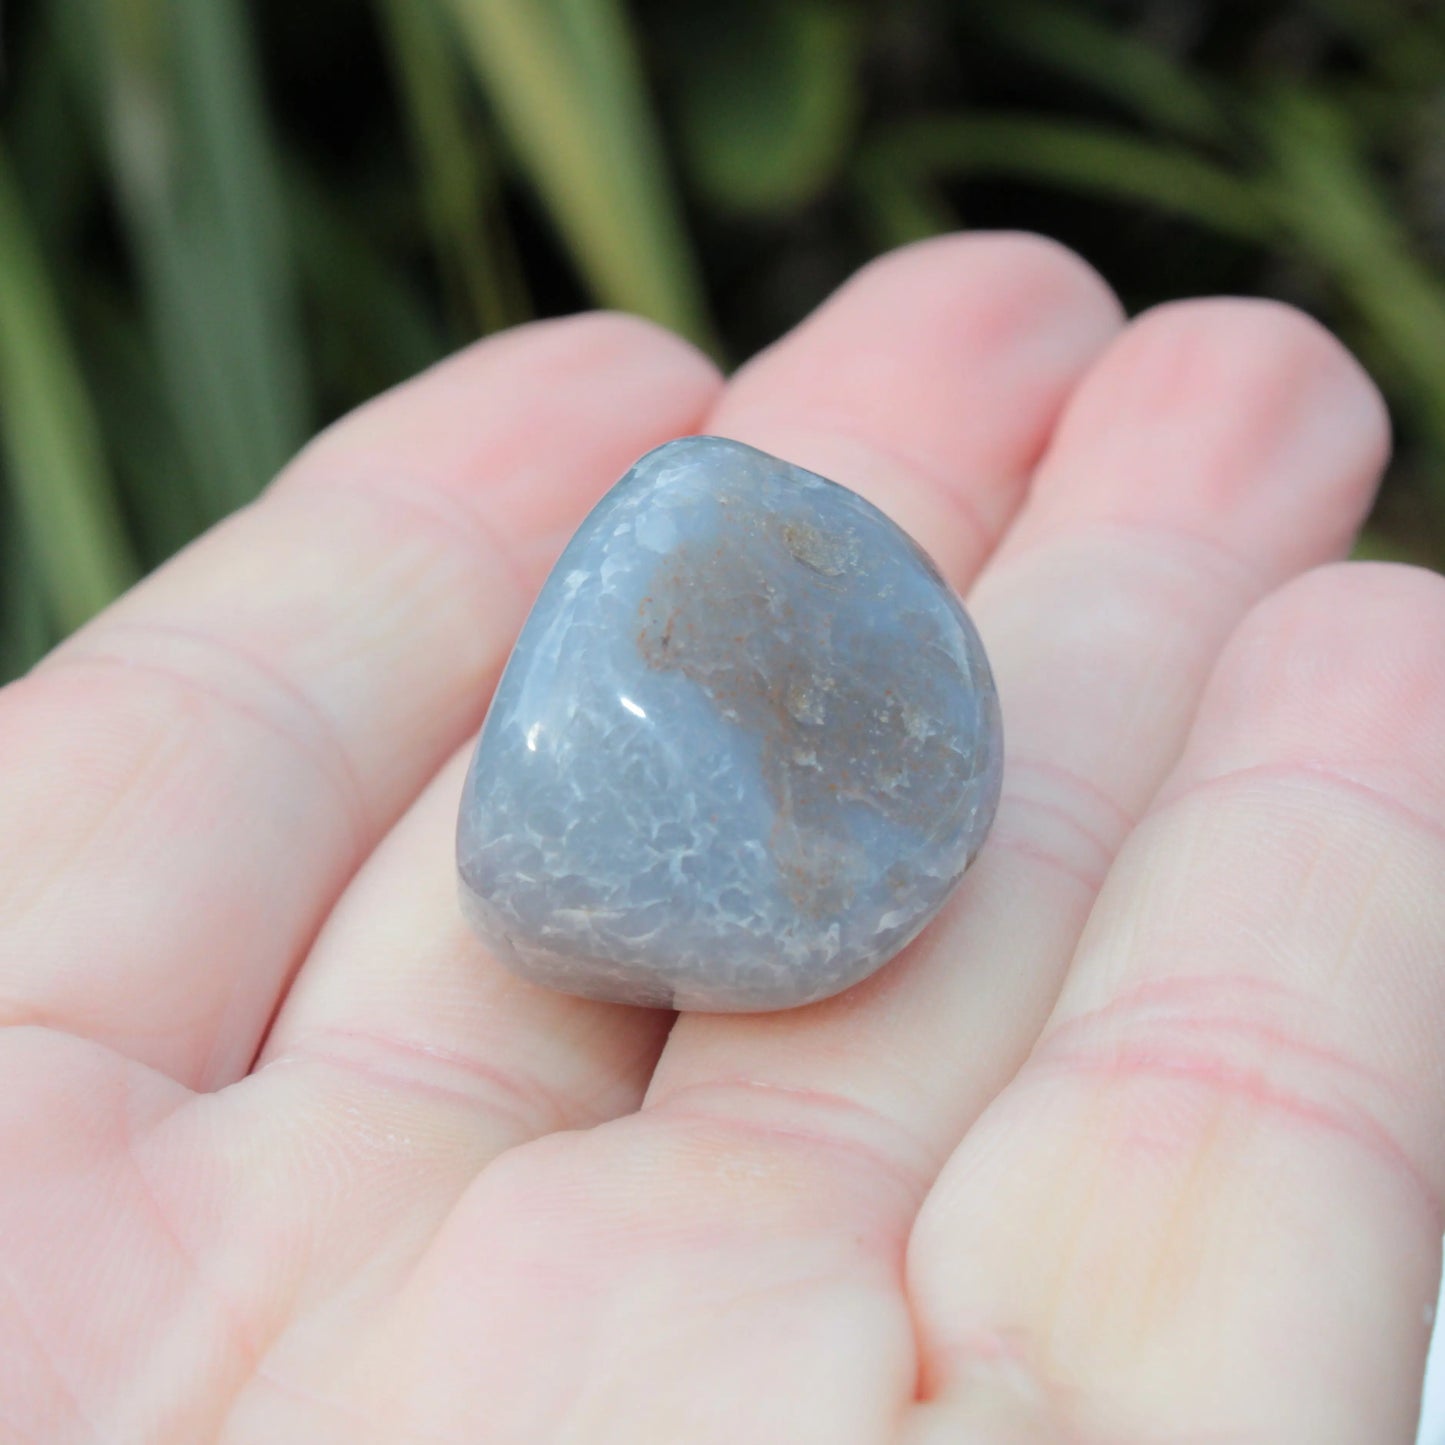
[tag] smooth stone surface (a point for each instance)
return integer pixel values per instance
(746, 744)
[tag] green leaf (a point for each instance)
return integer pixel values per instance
(192, 161)
(1129, 71)
(900, 204)
(567, 88)
(366, 348)
(139, 434)
(904, 161)
(54, 463)
(767, 96)
(25, 631)
(1336, 212)
(1373, 546)
(53, 163)
(461, 190)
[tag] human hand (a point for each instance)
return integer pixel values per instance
(1141, 1142)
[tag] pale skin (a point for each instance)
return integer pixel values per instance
(1144, 1141)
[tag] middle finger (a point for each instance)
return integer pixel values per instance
(1216, 448)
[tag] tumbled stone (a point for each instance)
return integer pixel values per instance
(746, 744)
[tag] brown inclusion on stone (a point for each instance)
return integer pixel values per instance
(755, 617)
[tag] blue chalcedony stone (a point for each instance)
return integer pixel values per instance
(746, 744)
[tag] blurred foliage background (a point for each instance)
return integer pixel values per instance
(225, 222)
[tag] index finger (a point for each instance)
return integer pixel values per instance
(192, 779)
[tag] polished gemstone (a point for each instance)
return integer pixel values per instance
(746, 744)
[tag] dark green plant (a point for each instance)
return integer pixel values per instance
(221, 224)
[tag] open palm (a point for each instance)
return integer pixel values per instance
(1141, 1142)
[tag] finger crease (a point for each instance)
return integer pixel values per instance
(409, 1066)
(812, 1119)
(1083, 810)
(444, 514)
(1329, 777)
(316, 738)
(46, 1359)
(1230, 1035)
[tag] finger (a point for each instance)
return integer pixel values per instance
(1223, 1162)
(931, 382)
(1214, 448)
(399, 999)
(395, 985)
(192, 779)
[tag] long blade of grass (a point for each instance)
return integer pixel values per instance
(136, 427)
(1336, 212)
(197, 182)
(54, 460)
(49, 147)
(567, 87)
(220, 94)
(900, 203)
(25, 630)
(360, 350)
(1122, 67)
(1099, 162)
(460, 185)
